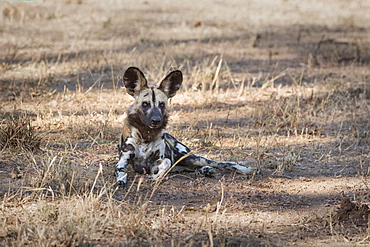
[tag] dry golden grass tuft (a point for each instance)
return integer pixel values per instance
(16, 132)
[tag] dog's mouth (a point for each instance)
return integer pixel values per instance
(155, 125)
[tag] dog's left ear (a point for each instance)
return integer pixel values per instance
(134, 81)
(171, 83)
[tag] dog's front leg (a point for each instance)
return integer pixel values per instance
(161, 169)
(126, 152)
(121, 169)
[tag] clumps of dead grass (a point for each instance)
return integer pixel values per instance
(16, 132)
(76, 222)
(97, 218)
(63, 204)
(57, 175)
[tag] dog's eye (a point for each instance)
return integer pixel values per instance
(161, 104)
(145, 104)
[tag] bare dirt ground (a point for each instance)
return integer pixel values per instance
(281, 84)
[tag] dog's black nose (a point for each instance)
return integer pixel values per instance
(156, 121)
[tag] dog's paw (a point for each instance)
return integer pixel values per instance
(121, 184)
(207, 171)
(121, 178)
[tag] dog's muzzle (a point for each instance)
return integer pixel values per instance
(155, 118)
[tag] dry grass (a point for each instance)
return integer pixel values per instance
(286, 89)
(17, 133)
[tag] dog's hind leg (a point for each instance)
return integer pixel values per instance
(204, 164)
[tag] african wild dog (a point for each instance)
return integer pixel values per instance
(145, 144)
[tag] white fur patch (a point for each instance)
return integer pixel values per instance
(122, 163)
(244, 169)
(181, 148)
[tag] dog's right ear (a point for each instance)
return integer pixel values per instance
(134, 81)
(172, 83)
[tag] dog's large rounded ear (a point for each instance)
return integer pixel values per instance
(134, 81)
(171, 84)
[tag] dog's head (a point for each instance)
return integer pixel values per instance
(151, 101)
